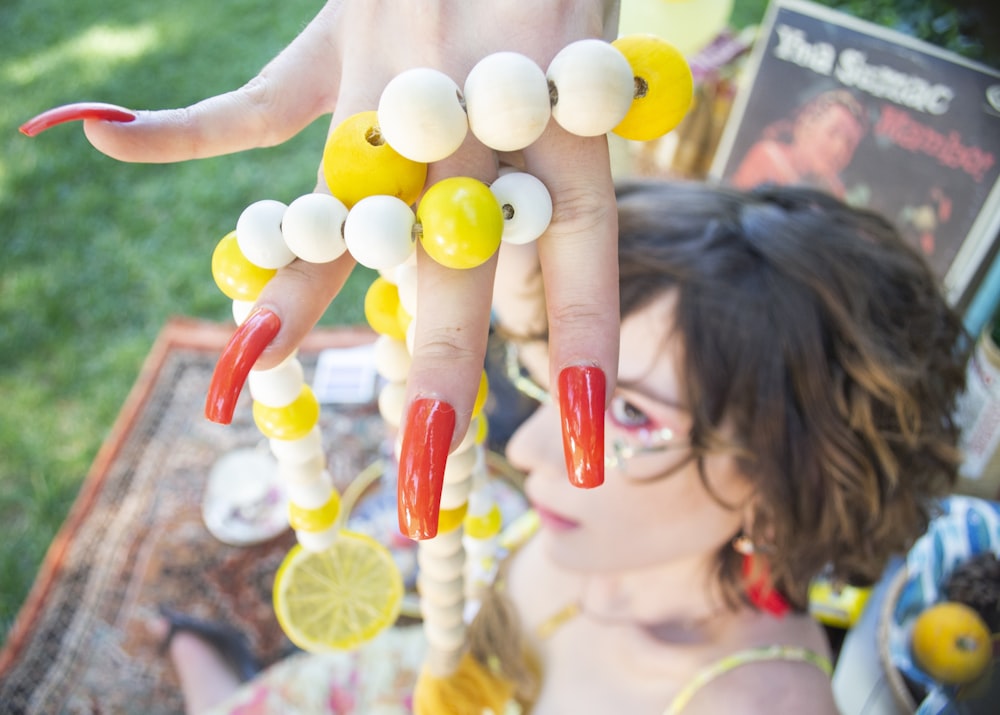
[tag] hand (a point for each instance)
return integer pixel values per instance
(340, 64)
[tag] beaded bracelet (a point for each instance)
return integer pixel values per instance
(375, 167)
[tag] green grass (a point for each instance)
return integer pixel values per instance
(96, 255)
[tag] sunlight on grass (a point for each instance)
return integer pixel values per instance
(102, 45)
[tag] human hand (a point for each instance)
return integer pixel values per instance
(332, 68)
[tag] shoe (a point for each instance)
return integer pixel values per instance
(231, 644)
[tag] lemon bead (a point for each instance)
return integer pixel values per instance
(258, 231)
(236, 277)
(663, 91)
(421, 114)
(312, 227)
(382, 308)
(318, 519)
(484, 526)
(278, 386)
(461, 222)
(293, 421)
(379, 232)
(593, 85)
(359, 162)
(526, 206)
(507, 99)
(451, 519)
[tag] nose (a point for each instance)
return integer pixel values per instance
(536, 446)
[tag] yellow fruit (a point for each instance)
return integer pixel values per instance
(951, 643)
(236, 277)
(667, 87)
(357, 163)
(461, 222)
(339, 598)
(382, 309)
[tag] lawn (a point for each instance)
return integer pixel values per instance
(97, 255)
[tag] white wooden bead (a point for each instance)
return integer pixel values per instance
(594, 85)
(507, 100)
(379, 232)
(441, 568)
(312, 494)
(455, 493)
(279, 386)
(317, 541)
(526, 204)
(297, 450)
(405, 278)
(421, 116)
(312, 227)
(411, 336)
(241, 309)
(390, 402)
(444, 637)
(480, 548)
(392, 359)
(440, 593)
(308, 470)
(460, 465)
(444, 617)
(258, 234)
(443, 545)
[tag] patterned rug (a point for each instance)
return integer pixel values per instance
(135, 539)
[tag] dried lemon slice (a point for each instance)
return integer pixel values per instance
(338, 598)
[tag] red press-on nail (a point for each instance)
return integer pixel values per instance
(74, 112)
(239, 355)
(581, 402)
(430, 426)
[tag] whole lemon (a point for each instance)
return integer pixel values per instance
(951, 643)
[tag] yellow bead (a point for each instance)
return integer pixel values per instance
(357, 162)
(293, 421)
(403, 317)
(237, 277)
(481, 395)
(664, 87)
(451, 519)
(461, 222)
(482, 429)
(484, 526)
(382, 309)
(313, 520)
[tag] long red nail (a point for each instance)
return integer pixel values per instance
(581, 401)
(74, 112)
(239, 355)
(430, 426)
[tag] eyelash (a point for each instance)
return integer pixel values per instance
(628, 423)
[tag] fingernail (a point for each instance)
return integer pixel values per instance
(248, 342)
(74, 112)
(581, 403)
(430, 426)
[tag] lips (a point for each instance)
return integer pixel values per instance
(554, 521)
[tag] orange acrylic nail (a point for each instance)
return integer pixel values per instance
(239, 355)
(581, 403)
(74, 112)
(427, 436)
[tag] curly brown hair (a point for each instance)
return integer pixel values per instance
(822, 342)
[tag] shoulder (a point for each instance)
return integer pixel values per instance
(766, 687)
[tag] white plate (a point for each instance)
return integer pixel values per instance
(244, 502)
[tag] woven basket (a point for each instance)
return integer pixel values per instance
(900, 690)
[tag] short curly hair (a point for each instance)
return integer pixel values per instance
(822, 342)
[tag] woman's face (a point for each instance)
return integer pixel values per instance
(638, 517)
(829, 139)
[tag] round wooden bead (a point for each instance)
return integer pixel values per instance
(460, 465)
(392, 359)
(258, 231)
(319, 518)
(405, 277)
(484, 526)
(241, 309)
(461, 222)
(379, 232)
(455, 492)
(311, 494)
(317, 541)
(664, 87)
(382, 308)
(507, 100)
(278, 386)
(391, 400)
(526, 206)
(302, 473)
(481, 394)
(594, 87)
(235, 276)
(421, 115)
(292, 421)
(291, 451)
(313, 228)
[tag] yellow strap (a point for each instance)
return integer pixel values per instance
(752, 655)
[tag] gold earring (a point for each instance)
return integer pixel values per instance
(743, 544)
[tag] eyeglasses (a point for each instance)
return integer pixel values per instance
(639, 454)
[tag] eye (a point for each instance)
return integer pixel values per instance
(626, 415)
